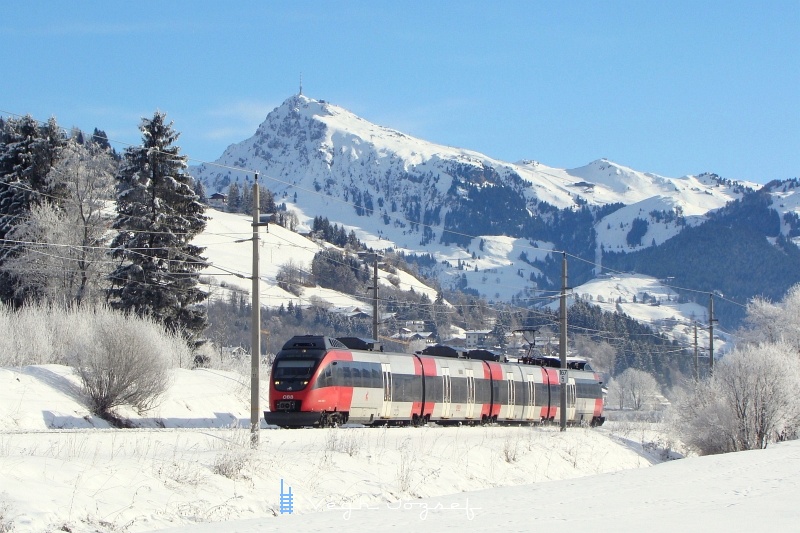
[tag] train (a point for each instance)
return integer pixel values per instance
(324, 382)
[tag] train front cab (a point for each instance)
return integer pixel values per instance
(299, 393)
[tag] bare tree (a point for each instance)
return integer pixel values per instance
(763, 321)
(750, 401)
(290, 277)
(769, 322)
(633, 387)
(601, 354)
(63, 245)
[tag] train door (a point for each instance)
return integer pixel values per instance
(529, 413)
(470, 393)
(571, 399)
(386, 406)
(446, 392)
(512, 397)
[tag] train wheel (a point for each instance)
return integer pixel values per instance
(332, 420)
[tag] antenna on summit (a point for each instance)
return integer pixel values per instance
(301, 85)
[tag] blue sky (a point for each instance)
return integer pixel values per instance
(672, 88)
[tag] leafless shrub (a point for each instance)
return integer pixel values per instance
(6, 523)
(343, 441)
(121, 363)
(236, 458)
(231, 463)
(511, 447)
(404, 471)
(180, 470)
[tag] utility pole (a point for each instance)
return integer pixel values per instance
(562, 344)
(255, 327)
(711, 332)
(375, 298)
(696, 361)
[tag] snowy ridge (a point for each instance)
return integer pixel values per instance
(304, 139)
(392, 188)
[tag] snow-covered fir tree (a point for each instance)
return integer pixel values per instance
(28, 151)
(158, 215)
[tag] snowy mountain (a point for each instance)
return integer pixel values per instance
(490, 225)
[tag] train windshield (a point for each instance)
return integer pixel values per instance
(294, 369)
(293, 374)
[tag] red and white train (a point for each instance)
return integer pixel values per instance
(320, 381)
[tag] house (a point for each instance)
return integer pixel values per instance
(477, 338)
(352, 312)
(407, 335)
(415, 325)
(234, 352)
(218, 200)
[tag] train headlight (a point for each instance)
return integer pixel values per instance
(305, 383)
(277, 382)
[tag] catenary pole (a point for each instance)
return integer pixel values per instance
(711, 333)
(562, 343)
(255, 343)
(375, 299)
(696, 360)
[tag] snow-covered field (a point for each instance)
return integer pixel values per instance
(188, 464)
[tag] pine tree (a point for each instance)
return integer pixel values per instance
(234, 197)
(27, 153)
(246, 203)
(158, 214)
(266, 199)
(200, 191)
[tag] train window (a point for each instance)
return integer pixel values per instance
(356, 375)
(325, 377)
(376, 376)
(294, 368)
(347, 380)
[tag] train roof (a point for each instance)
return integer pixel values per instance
(360, 343)
(312, 342)
(444, 350)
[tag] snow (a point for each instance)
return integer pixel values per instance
(189, 469)
(662, 311)
(325, 155)
(278, 246)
